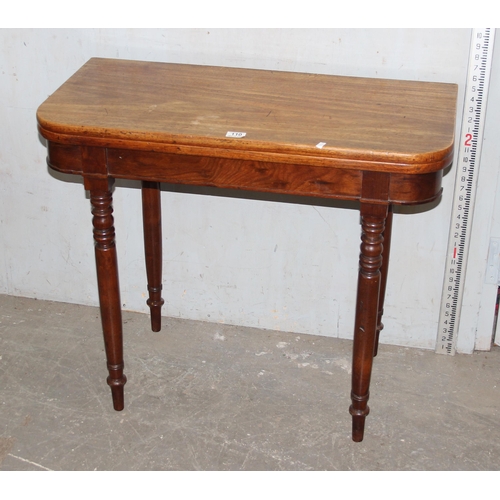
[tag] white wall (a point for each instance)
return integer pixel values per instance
(259, 263)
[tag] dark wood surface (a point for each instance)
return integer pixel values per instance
(373, 124)
(381, 142)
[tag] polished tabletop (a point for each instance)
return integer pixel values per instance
(365, 123)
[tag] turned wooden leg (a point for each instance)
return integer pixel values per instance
(107, 280)
(151, 212)
(370, 261)
(383, 275)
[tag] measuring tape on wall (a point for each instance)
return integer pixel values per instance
(467, 166)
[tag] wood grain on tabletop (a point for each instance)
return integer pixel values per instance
(391, 121)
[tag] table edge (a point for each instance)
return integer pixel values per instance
(236, 149)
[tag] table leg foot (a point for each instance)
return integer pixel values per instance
(116, 381)
(155, 310)
(359, 411)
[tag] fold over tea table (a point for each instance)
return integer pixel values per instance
(379, 142)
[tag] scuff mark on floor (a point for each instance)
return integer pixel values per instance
(6, 445)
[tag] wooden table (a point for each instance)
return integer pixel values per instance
(380, 142)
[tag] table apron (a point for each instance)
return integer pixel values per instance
(249, 175)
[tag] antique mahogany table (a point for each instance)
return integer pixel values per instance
(380, 142)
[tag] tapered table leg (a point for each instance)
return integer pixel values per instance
(151, 211)
(383, 275)
(373, 219)
(108, 285)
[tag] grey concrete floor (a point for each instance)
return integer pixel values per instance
(204, 396)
